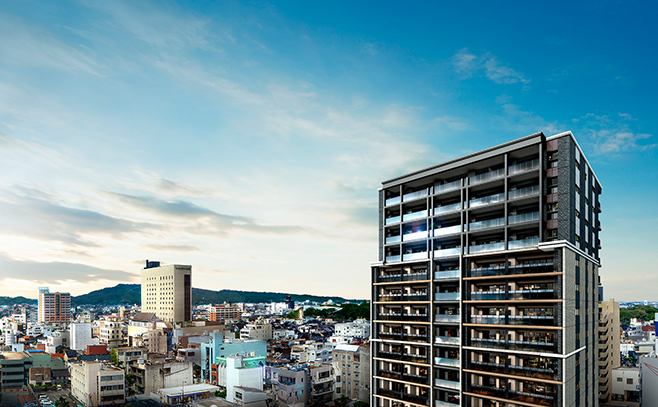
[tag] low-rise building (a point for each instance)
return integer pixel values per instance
(259, 331)
(626, 383)
(240, 371)
(128, 354)
(149, 377)
(40, 376)
(359, 328)
(111, 332)
(186, 394)
(14, 369)
(97, 384)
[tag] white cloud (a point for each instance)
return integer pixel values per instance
(468, 65)
(615, 133)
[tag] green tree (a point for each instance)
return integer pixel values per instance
(113, 356)
(61, 402)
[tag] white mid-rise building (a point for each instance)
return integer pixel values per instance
(81, 336)
(259, 331)
(239, 371)
(97, 384)
(360, 328)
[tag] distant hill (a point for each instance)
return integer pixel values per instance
(131, 294)
(16, 300)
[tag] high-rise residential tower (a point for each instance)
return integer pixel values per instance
(485, 292)
(167, 291)
(53, 307)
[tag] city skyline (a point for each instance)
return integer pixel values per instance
(250, 141)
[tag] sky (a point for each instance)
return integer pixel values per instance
(249, 139)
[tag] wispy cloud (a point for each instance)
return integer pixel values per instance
(24, 44)
(615, 133)
(467, 65)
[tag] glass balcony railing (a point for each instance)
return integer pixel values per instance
(525, 217)
(446, 340)
(513, 270)
(414, 256)
(535, 320)
(390, 259)
(438, 275)
(394, 200)
(414, 195)
(520, 244)
(439, 403)
(447, 208)
(447, 296)
(455, 251)
(522, 167)
(393, 239)
(487, 295)
(521, 193)
(488, 319)
(486, 200)
(485, 224)
(489, 247)
(394, 219)
(447, 318)
(488, 272)
(402, 277)
(546, 294)
(487, 176)
(450, 186)
(447, 362)
(423, 234)
(414, 215)
(449, 384)
(448, 230)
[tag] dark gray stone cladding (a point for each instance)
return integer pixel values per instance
(382, 200)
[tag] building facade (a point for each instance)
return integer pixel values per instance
(352, 369)
(97, 384)
(53, 307)
(485, 291)
(609, 346)
(167, 291)
(225, 312)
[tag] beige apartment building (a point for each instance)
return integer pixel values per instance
(225, 311)
(609, 352)
(53, 307)
(97, 384)
(167, 291)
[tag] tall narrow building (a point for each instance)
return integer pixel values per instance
(53, 308)
(485, 291)
(167, 291)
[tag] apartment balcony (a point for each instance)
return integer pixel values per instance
(447, 362)
(415, 256)
(414, 215)
(402, 277)
(448, 208)
(523, 192)
(523, 243)
(393, 200)
(392, 220)
(390, 374)
(486, 177)
(487, 200)
(394, 258)
(542, 294)
(401, 336)
(447, 296)
(393, 239)
(447, 318)
(447, 340)
(448, 230)
(403, 297)
(532, 320)
(488, 247)
(513, 395)
(488, 319)
(523, 167)
(405, 357)
(403, 317)
(551, 198)
(486, 224)
(513, 345)
(439, 403)
(523, 218)
(450, 186)
(422, 400)
(443, 275)
(448, 384)
(414, 195)
(453, 251)
(423, 234)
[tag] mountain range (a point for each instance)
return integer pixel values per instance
(131, 294)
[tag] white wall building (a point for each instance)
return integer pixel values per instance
(258, 331)
(625, 383)
(81, 336)
(97, 384)
(360, 328)
(238, 371)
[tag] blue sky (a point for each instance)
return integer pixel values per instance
(249, 139)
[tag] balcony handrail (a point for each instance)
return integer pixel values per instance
(524, 166)
(487, 176)
(415, 195)
(450, 186)
(486, 200)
